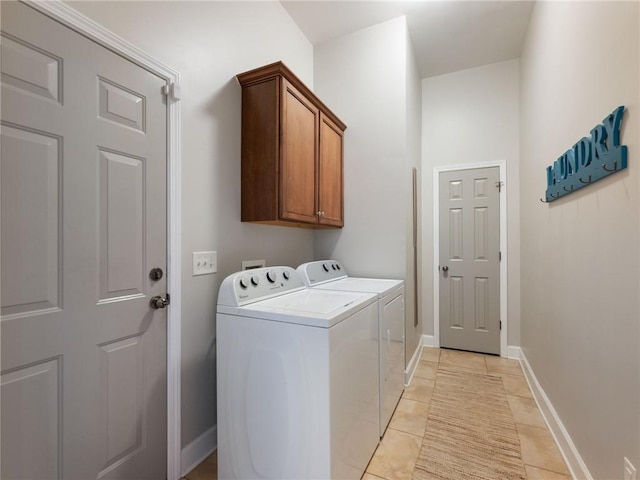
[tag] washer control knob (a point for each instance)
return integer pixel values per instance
(325, 267)
(271, 276)
(244, 283)
(338, 266)
(286, 275)
(255, 280)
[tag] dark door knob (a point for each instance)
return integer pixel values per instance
(445, 269)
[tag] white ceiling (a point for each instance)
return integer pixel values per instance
(447, 35)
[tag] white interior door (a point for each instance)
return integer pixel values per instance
(83, 204)
(469, 264)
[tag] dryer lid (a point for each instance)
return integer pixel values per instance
(313, 307)
(380, 286)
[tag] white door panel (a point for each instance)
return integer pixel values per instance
(83, 194)
(469, 260)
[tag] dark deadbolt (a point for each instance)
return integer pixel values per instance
(155, 274)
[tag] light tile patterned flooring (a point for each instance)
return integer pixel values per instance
(398, 450)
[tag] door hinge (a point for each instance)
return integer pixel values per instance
(499, 186)
(499, 256)
(172, 91)
(168, 297)
(500, 324)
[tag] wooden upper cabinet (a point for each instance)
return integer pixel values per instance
(292, 152)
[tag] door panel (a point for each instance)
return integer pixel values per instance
(330, 174)
(121, 381)
(456, 293)
(456, 236)
(33, 448)
(298, 167)
(83, 173)
(469, 260)
(481, 233)
(30, 196)
(121, 216)
(120, 105)
(31, 69)
(481, 311)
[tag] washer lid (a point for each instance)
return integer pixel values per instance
(313, 307)
(380, 286)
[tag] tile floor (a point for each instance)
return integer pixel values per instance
(398, 450)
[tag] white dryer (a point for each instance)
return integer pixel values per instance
(297, 378)
(331, 275)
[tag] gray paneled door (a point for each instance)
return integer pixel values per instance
(83, 203)
(469, 260)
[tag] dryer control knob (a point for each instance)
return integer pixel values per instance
(243, 283)
(286, 275)
(271, 276)
(325, 267)
(255, 280)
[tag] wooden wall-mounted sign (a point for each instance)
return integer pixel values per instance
(591, 159)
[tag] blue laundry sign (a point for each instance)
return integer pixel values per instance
(591, 159)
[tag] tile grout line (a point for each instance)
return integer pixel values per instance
(547, 470)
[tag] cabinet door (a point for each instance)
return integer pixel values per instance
(298, 164)
(330, 173)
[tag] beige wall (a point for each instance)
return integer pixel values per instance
(363, 77)
(580, 254)
(209, 43)
(468, 117)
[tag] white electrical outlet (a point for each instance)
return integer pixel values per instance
(205, 263)
(629, 470)
(249, 264)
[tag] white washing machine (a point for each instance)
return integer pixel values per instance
(297, 378)
(331, 275)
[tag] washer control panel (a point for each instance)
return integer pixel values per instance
(315, 273)
(249, 286)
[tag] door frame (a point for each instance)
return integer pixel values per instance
(73, 19)
(502, 168)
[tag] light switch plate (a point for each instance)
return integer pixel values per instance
(205, 263)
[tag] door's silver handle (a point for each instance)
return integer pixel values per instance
(159, 302)
(445, 269)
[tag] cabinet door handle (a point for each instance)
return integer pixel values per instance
(320, 213)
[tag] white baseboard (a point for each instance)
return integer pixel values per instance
(413, 363)
(199, 449)
(513, 352)
(566, 446)
(428, 341)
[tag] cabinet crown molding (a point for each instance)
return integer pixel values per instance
(261, 74)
